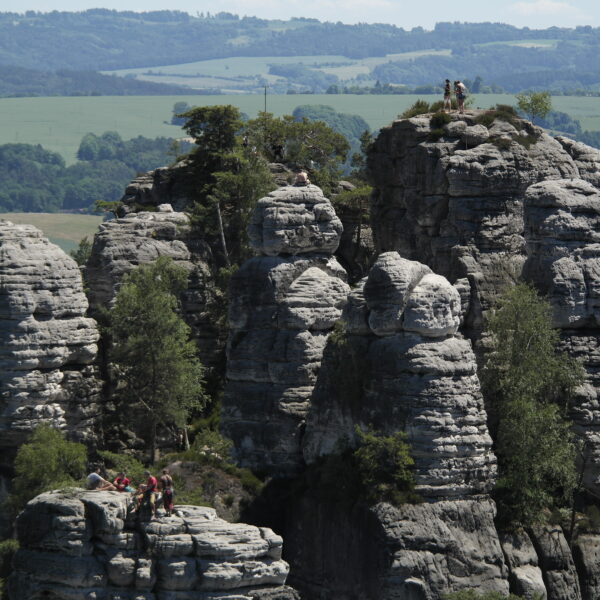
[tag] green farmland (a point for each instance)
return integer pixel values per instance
(59, 123)
(64, 230)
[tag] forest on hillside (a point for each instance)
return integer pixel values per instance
(558, 59)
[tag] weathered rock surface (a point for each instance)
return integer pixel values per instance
(402, 366)
(141, 237)
(456, 204)
(419, 551)
(77, 545)
(562, 220)
(556, 561)
(586, 553)
(282, 309)
(586, 158)
(47, 344)
(294, 220)
(526, 578)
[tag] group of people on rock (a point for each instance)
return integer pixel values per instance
(144, 493)
(460, 91)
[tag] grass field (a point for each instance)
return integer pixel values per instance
(64, 230)
(210, 73)
(59, 123)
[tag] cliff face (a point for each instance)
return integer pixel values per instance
(456, 203)
(283, 305)
(141, 237)
(47, 344)
(76, 545)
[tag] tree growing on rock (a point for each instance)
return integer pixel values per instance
(535, 104)
(155, 360)
(47, 461)
(527, 384)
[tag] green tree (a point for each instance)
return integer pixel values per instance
(535, 104)
(156, 362)
(46, 462)
(527, 385)
(83, 252)
(311, 145)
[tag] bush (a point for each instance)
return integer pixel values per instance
(418, 108)
(7, 551)
(439, 119)
(435, 135)
(502, 112)
(46, 462)
(378, 470)
(385, 467)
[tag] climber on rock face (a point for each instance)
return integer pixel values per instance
(97, 483)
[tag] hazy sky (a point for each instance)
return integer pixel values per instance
(404, 13)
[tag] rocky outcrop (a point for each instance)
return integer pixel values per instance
(408, 369)
(141, 237)
(283, 305)
(76, 545)
(526, 578)
(47, 344)
(586, 158)
(562, 220)
(455, 201)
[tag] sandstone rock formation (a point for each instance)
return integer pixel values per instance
(283, 305)
(76, 545)
(47, 344)
(562, 220)
(455, 202)
(408, 369)
(141, 237)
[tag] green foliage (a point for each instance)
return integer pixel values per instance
(526, 140)
(7, 551)
(83, 252)
(439, 119)
(125, 463)
(527, 384)
(502, 112)
(157, 364)
(435, 135)
(33, 179)
(359, 159)
(385, 467)
(356, 200)
(46, 462)
(311, 145)
(213, 127)
(420, 107)
(535, 104)
(379, 469)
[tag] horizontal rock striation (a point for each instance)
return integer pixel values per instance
(76, 545)
(455, 201)
(562, 220)
(140, 238)
(283, 305)
(400, 365)
(47, 344)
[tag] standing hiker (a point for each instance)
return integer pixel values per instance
(166, 485)
(461, 92)
(447, 96)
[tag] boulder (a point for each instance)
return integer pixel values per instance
(192, 555)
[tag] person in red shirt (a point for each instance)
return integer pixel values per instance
(150, 491)
(121, 482)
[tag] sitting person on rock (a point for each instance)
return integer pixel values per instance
(301, 179)
(97, 483)
(121, 482)
(166, 485)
